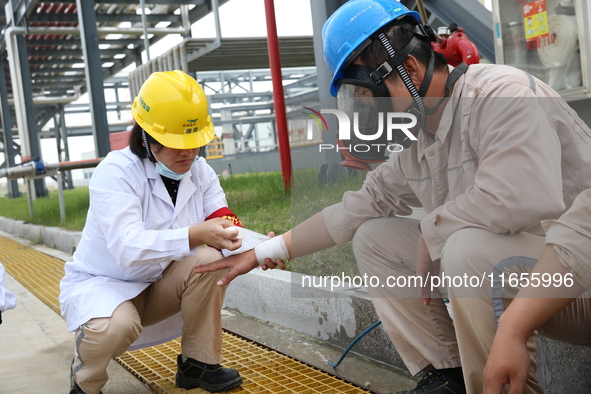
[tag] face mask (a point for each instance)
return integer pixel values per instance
(163, 170)
(167, 172)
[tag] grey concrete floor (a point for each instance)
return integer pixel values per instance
(36, 349)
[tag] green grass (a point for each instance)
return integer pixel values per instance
(310, 196)
(46, 210)
(258, 199)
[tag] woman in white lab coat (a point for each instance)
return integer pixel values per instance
(7, 298)
(152, 206)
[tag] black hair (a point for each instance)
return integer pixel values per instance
(137, 143)
(375, 54)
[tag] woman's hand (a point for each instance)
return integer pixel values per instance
(215, 233)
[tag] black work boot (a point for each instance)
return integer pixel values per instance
(211, 377)
(74, 388)
(440, 381)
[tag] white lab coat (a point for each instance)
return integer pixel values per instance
(132, 233)
(7, 297)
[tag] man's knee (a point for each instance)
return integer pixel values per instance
(465, 250)
(363, 239)
(387, 236)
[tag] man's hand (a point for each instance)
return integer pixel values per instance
(270, 264)
(507, 363)
(426, 269)
(237, 264)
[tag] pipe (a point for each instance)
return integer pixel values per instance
(17, 89)
(215, 7)
(278, 94)
(145, 29)
(56, 100)
(422, 12)
(29, 169)
(75, 165)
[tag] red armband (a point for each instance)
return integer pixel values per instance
(225, 213)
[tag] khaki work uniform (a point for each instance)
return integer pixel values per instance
(507, 154)
(571, 237)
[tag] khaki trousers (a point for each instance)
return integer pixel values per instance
(196, 296)
(423, 335)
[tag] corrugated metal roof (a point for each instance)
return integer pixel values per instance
(56, 63)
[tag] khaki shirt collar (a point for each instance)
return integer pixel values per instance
(424, 139)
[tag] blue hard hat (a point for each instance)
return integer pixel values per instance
(351, 25)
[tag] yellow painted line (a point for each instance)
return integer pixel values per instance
(263, 370)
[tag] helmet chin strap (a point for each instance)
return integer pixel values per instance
(418, 107)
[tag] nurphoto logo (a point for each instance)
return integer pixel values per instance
(395, 122)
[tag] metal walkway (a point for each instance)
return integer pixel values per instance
(263, 370)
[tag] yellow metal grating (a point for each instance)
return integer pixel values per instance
(38, 272)
(263, 370)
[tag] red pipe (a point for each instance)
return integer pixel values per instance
(278, 94)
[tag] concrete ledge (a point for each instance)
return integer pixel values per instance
(563, 367)
(54, 237)
(336, 317)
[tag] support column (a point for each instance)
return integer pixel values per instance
(63, 152)
(23, 98)
(9, 153)
(94, 76)
(321, 10)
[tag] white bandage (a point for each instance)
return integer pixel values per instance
(273, 249)
(246, 233)
(249, 240)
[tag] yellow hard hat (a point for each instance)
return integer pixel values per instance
(172, 107)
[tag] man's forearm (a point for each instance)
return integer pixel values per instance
(308, 237)
(535, 305)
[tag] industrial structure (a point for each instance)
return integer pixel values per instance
(52, 53)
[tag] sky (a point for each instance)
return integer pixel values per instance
(238, 18)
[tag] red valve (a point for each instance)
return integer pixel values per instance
(457, 48)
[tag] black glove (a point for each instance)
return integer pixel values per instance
(0, 317)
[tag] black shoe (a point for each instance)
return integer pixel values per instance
(74, 388)
(439, 382)
(211, 377)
